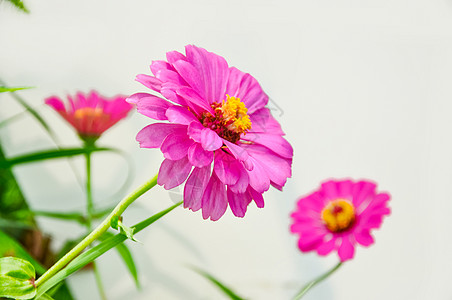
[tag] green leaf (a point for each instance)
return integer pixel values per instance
(49, 154)
(35, 114)
(19, 5)
(126, 256)
(93, 253)
(17, 277)
(114, 222)
(232, 295)
(4, 89)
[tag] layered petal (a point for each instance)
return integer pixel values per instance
(195, 187)
(214, 199)
(216, 114)
(173, 172)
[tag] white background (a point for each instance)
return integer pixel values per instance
(363, 89)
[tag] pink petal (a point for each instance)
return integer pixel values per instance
(238, 203)
(257, 197)
(173, 56)
(173, 172)
(346, 250)
(278, 169)
(210, 140)
(276, 143)
(364, 238)
(160, 65)
(194, 188)
(363, 192)
(181, 115)
(193, 99)
(326, 247)
(198, 156)
(191, 75)
(329, 189)
(175, 146)
(153, 135)
(239, 152)
(227, 168)
(213, 70)
(244, 86)
(56, 103)
(344, 189)
(194, 131)
(150, 105)
(263, 122)
(150, 82)
(258, 177)
(309, 242)
(214, 200)
(242, 183)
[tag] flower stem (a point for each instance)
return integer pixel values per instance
(89, 216)
(101, 228)
(89, 195)
(319, 279)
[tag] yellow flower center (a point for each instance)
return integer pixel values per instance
(88, 112)
(338, 215)
(235, 114)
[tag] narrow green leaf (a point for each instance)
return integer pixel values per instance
(4, 89)
(93, 253)
(19, 5)
(35, 114)
(17, 277)
(232, 295)
(74, 216)
(126, 256)
(49, 154)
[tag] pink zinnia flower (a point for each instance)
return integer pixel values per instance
(91, 114)
(339, 215)
(217, 115)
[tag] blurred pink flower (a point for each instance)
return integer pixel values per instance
(217, 115)
(91, 114)
(338, 216)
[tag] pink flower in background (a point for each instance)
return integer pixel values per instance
(91, 114)
(216, 115)
(338, 216)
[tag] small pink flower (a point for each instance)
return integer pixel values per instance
(217, 115)
(339, 215)
(91, 114)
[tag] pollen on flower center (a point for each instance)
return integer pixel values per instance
(338, 215)
(235, 114)
(230, 120)
(88, 112)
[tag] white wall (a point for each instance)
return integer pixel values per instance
(364, 89)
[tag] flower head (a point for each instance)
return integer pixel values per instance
(91, 114)
(339, 215)
(217, 116)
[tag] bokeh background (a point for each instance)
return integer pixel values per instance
(362, 89)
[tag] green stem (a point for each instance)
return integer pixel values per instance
(89, 194)
(319, 279)
(103, 296)
(116, 213)
(90, 213)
